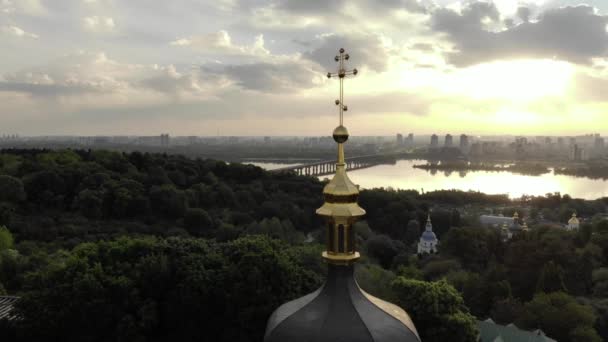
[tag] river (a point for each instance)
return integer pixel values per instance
(403, 176)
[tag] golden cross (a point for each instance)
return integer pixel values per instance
(342, 73)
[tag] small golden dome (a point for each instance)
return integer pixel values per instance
(574, 219)
(340, 134)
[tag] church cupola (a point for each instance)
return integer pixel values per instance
(573, 223)
(428, 241)
(340, 310)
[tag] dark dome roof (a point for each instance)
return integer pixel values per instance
(429, 236)
(340, 311)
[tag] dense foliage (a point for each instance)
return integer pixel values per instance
(163, 290)
(107, 246)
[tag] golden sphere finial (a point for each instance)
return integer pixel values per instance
(340, 134)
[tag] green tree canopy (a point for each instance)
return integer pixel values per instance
(148, 289)
(437, 309)
(560, 317)
(11, 189)
(6, 239)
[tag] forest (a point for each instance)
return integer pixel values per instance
(115, 246)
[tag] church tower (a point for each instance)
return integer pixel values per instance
(428, 241)
(340, 310)
(573, 223)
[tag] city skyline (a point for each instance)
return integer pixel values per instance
(254, 68)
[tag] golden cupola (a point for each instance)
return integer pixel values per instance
(340, 310)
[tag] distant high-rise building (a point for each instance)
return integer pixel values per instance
(560, 141)
(164, 140)
(410, 139)
(599, 143)
(476, 149)
(449, 140)
(577, 153)
(464, 143)
(267, 140)
(434, 141)
(399, 139)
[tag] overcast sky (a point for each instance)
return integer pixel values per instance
(249, 67)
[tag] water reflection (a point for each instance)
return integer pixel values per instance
(272, 166)
(403, 176)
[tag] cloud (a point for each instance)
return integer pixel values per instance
(96, 74)
(575, 34)
(589, 87)
(220, 42)
(284, 76)
(98, 24)
(311, 6)
(17, 32)
(367, 50)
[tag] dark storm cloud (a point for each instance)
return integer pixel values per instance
(575, 34)
(366, 50)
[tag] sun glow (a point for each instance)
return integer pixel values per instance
(518, 80)
(515, 117)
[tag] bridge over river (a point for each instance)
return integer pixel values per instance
(328, 167)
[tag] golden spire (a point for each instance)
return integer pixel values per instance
(340, 208)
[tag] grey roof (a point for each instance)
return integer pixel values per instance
(495, 220)
(492, 332)
(6, 307)
(340, 311)
(429, 236)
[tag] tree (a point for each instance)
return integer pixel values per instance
(11, 189)
(376, 281)
(506, 311)
(551, 279)
(90, 203)
(382, 248)
(6, 239)
(560, 317)
(600, 282)
(438, 268)
(168, 201)
(197, 221)
(474, 247)
(412, 232)
(437, 310)
(149, 289)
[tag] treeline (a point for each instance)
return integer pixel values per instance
(593, 170)
(525, 169)
(75, 196)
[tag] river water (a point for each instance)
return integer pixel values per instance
(403, 176)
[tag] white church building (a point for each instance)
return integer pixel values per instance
(428, 241)
(574, 223)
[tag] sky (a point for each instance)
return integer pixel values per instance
(250, 67)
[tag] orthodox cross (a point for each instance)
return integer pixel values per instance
(342, 73)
